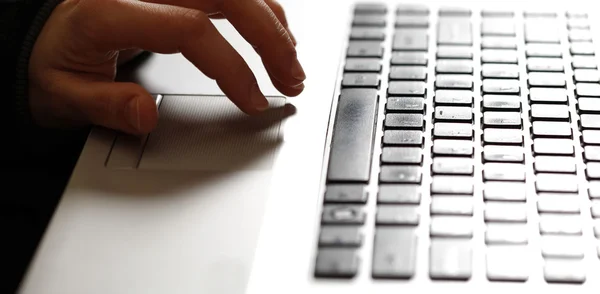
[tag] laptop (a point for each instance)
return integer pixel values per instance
(440, 147)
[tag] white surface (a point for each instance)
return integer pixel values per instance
(197, 232)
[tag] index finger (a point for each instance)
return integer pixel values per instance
(260, 27)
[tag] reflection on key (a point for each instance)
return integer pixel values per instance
(450, 259)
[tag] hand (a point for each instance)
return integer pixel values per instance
(74, 61)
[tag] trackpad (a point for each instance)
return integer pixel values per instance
(209, 133)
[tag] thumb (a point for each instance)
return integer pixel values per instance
(125, 107)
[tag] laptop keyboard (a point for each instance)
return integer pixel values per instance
(490, 138)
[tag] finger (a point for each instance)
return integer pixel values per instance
(171, 29)
(280, 13)
(126, 107)
(259, 25)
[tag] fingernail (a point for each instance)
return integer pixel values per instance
(298, 87)
(258, 99)
(133, 112)
(297, 71)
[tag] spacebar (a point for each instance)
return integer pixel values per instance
(353, 136)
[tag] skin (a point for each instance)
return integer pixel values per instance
(74, 62)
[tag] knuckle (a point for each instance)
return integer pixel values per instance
(195, 23)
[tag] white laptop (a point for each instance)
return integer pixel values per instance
(439, 147)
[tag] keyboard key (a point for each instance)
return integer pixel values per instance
(545, 64)
(452, 166)
(405, 104)
(591, 153)
(592, 170)
(557, 183)
(388, 261)
(399, 194)
(558, 203)
(409, 58)
(590, 121)
(451, 226)
(402, 88)
(564, 271)
(452, 185)
(502, 136)
(550, 112)
(583, 48)
(499, 71)
(454, 31)
(560, 224)
(397, 215)
(508, 263)
(412, 9)
(496, 13)
(588, 89)
(412, 21)
(363, 65)
(578, 35)
(401, 155)
(501, 102)
(453, 97)
(343, 215)
(454, 66)
(453, 131)
(454, 52)
(360, 80)
(353, 133)
(506, 233)
(548, 95)
(404, 121)
(449, 81)
(499, 56)
(554, 164)
(501, 119)
(542, 31)
(553, 147)
(544, 50)
(504, 172)
(493, 153)
(504, 191)
(451, 205)
(594, 190)
(450, 259)
(453, 114)
(452, 148)
(585, 62)
(597, 234)
(498, 27)
(551, 129)
(575, 14)
(408, 73)
(489, 42)
(337, 263)
(492, 86)
(591, 137)
(411, 40)
(586, 76)
(367, 34)
(403, 138)
(370, 8)
(372, 20)
(543, 79)
(346, 193)
(454, 11)
(574, 23)
(512, 212)
(562, 247)
(340, 236)
(400, 174)
(540, 13)
(588, 105)
(365, 49)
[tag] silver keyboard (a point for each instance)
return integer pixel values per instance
(470, 133)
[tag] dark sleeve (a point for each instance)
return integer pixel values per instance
(20, 24)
